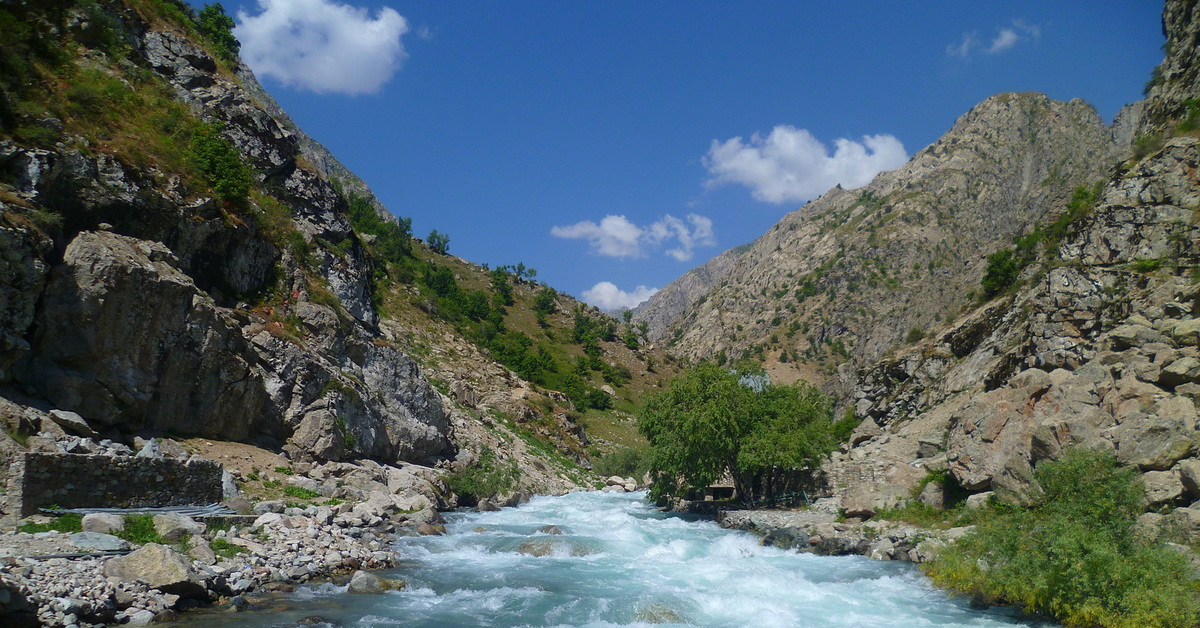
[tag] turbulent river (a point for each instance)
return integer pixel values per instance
(620, 562)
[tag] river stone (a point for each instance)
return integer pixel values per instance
(103, 522)
(367, 582)
(158, 567)
(99, 542)
(174, 527)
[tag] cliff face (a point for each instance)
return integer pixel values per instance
(851, 275)
(1099, 349)
(136, 294)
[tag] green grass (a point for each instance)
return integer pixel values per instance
(224, 549)
(68, 523)
(300, 493)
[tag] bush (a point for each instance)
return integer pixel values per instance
(1073, 553)
(485, 478)
(220, 164)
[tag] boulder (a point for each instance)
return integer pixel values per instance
(102, 522)
(933, 495)
(174, 527)
(978, 500)
(98, 542)
(158, 567)
(1162, 487)
(865, 431)
(865, 500)
(1189, 474)
(367, 582)
(73, 423)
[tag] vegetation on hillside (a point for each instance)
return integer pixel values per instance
(714, 422)
(1074, 554)
(1004, 266)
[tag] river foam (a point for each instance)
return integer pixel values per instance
(620, 562)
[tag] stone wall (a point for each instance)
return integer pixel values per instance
(37, 480)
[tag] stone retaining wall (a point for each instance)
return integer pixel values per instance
(37, 480)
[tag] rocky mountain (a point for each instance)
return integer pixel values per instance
(1097, 348)
(856, 274)
(181, 259)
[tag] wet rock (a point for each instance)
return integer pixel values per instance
(366, 582)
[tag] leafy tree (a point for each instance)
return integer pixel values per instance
(1074, 554)
(393, 239)
(217, 27)
(710, 423)
(439, 242)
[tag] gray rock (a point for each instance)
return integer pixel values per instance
(73, 423)
(96, 541)
(175, 527)
(933, 495)
(978, 500)
(158, 567)
(1162, 486)
(865, 500)
(1189, 474)
(104, 523)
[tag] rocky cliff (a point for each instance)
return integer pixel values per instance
(138, 291)
(856, 274)
(1098, 349)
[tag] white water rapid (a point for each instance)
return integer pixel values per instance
(620, 562)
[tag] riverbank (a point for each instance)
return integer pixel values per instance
(819, 530)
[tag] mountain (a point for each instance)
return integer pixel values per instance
(856, 274)
(1096, 348)
(181, 259)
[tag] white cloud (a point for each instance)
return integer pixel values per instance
(322, 45)
(616, 236)
(1006, 38)
(607, 296)
(1003, 41)
(790, 165)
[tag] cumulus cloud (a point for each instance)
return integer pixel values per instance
(322, 45)
(1006, 38)
(617, 236)
(790, 165)
(607, 296)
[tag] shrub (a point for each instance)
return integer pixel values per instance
(486, 477)
(220, 164)
(1073, 553)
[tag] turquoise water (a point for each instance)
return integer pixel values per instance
(619, 562)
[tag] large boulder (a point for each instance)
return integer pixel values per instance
(158, 567)
(865, 500)
(175, 527)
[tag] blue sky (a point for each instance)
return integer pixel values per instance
(628, 142)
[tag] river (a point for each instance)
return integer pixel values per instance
(620, 562)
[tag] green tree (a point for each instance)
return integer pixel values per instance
(711, 422)
(439, 242)
(217, 27)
